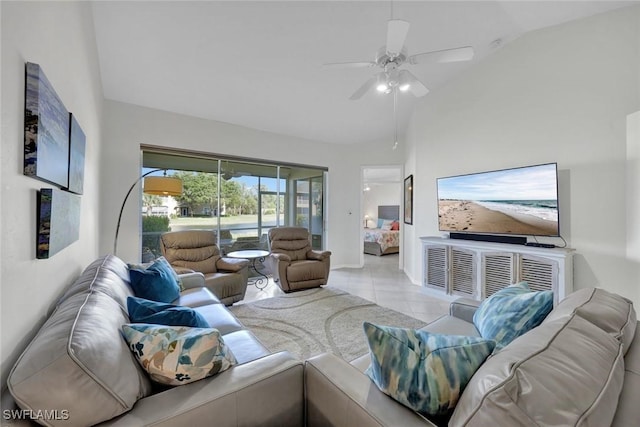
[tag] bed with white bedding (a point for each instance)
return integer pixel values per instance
(383, 241)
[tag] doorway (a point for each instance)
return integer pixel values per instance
(381, 193)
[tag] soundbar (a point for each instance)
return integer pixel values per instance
(513, 240)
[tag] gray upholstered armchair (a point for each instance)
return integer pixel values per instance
(293, 263)
(196, 250)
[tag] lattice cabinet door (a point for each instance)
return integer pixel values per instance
(540, 273)
(477, 269)
(498, 272)
(463, 272)
(435, 265)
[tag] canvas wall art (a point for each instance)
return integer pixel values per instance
(77, 143)
(58, 221)
(46, 130)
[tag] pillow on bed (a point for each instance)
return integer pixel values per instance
(386, 224)
(395, 226)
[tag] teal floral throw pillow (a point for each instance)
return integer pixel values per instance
(177, 355)
(425, 372)
(512, 312)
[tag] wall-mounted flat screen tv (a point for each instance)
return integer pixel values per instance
(521, 201)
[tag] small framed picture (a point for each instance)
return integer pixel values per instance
(408, 200)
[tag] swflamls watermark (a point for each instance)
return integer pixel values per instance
(36, 414)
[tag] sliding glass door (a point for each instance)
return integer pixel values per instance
(238, 199)
(310, 207)
(249, 195)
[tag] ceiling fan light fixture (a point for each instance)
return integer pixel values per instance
(382, 87)
(382, 84)
(404, 82)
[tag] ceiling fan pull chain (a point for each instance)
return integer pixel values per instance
(395, 119)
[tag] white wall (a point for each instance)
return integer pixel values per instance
(127, 126)
(59, 37)
(633, 186)
(561, 95)
(380, 195)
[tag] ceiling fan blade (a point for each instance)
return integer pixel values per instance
(446, 55)
(348, 65)
(396, 35)
(415, 86)
(364, 88)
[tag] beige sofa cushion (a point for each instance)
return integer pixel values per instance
(78, 361)
(116, 284)
(628, 412)
(610, 312)
(565, 372)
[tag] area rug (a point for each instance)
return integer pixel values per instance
(316, 321)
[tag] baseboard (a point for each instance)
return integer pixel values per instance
(436, 293)
(335, 267)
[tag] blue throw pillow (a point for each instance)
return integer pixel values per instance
(158, 313)
(424, 371)
(512, 312)
(162, 260)
(156, 283)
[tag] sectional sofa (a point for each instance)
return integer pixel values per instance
(79, 368)
(580, 367)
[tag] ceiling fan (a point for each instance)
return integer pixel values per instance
(394, 55)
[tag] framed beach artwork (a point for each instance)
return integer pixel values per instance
(77, 143)
(408, 200)
(58, 221)
(46, 130)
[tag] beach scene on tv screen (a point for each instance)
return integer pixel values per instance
(511, 201)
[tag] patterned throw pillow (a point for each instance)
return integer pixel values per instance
(156, 283)
(512, 312)
(425, 372)
(177, 355)
(146, 311)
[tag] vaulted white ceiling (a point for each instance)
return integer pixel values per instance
(259, 64)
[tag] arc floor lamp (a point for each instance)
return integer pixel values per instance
(155, 185)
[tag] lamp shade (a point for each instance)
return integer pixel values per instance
(162, 186)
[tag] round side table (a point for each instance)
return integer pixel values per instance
(253, 255)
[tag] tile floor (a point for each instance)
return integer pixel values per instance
(379, 281)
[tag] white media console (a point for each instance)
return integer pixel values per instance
(476, 269)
